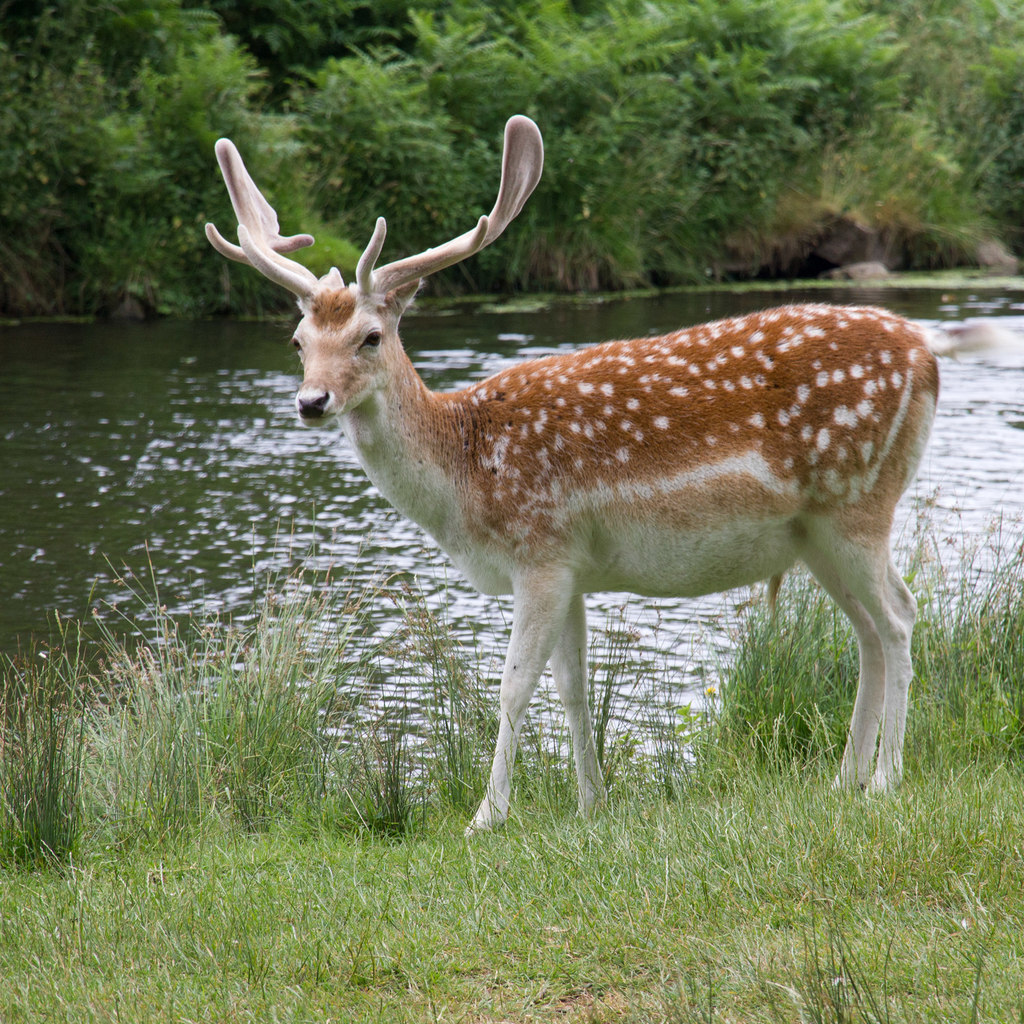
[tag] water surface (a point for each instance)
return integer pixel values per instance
(168, 454)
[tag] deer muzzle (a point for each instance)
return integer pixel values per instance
(312, 404)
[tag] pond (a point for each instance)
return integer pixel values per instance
(170, 452)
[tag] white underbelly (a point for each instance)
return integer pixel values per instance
(648, 560)
(660, 563)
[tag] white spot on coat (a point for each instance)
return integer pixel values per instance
(844, 417)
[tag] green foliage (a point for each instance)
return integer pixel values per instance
(1002, 181)
(660, 124)
(683, 140)
(939, 168)
(292, 38)
(107, 160)
(400, 166)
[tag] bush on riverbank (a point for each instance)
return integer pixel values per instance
(683, 139)
(261, 833)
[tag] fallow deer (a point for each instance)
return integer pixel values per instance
(706, 459)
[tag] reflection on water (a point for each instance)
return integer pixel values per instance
(170, 451)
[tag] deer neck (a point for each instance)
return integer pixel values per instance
(404, 436)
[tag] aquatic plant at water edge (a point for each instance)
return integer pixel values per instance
(205, 718)
(307, 714)
(787, 689)
(42, 718)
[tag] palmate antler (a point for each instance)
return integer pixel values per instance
(261, 241)
(262, 246)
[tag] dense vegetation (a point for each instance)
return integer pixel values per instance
(237, 822)
(712, 137)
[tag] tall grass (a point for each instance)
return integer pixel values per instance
(304, 711)
(787, 694)
(262, 825)
(41, 751)
(969, 646)
(243, 719)
(309, 712)
(461, 719)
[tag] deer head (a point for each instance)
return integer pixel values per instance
(348, 336)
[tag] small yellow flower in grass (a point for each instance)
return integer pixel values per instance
(710, 692)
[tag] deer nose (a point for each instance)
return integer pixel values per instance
(312, 407)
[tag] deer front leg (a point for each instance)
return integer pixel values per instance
(540, 606)
(569, 667)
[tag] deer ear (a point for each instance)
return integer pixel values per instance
(399, 298)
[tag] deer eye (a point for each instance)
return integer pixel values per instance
(297, 346)
(372, 340)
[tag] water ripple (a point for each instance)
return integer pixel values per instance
(170, 457)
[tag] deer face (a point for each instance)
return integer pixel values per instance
(346, 342)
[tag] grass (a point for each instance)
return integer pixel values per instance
(757, 898)
(262, 836)
(41, 751)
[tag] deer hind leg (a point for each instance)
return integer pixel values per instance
(863, 582)
(569, 667)
(540, 609)
(902, 606)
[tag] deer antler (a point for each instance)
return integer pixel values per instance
(521, 166)
(258, 232)
(262, 245)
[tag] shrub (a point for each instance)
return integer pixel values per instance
(684, 140)
(665, 127)
(108, 168)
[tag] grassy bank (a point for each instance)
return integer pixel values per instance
(224, 856)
